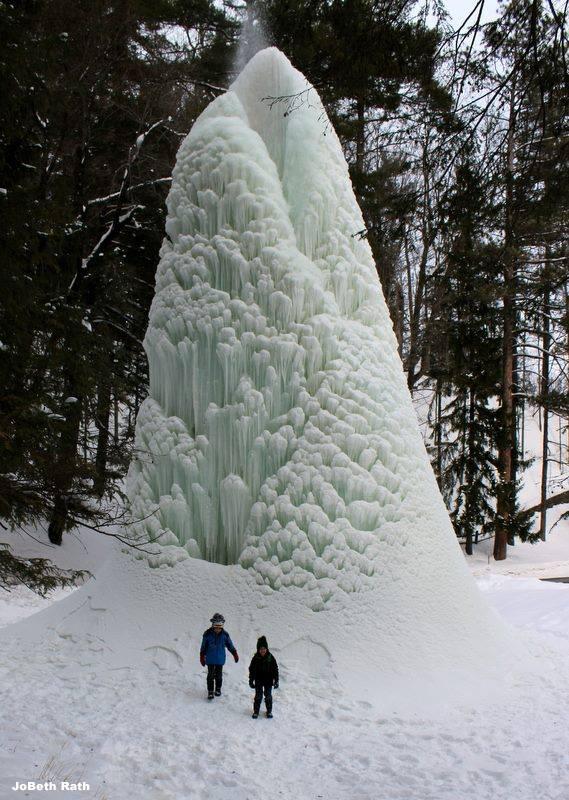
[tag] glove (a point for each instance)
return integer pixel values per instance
(202, 659)
(236, 656)
(251, 685)
(276, 684)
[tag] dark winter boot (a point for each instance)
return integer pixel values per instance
(269, 702)
(255, 715)
(218, 676)
(210, 695)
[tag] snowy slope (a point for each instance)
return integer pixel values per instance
(84, 549)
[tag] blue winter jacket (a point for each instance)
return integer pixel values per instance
(214, 644)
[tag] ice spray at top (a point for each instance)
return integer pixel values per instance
(279, 432)
(253, 36)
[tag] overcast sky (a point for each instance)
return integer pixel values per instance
(460, 9)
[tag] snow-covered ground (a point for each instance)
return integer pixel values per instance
(83, 549)
(119, 702)
(86, 701)
(131, 719)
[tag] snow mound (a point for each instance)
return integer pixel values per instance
(371, 649)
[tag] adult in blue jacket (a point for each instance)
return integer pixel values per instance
(212, 653)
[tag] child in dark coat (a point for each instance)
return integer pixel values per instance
(263, 676)
(212, 653)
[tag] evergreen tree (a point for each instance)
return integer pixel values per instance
(98, 97)
(525, 51)
(466, 363)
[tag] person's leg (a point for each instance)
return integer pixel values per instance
(218, 678)
(258, 698)
(210, 674)
(269, 699)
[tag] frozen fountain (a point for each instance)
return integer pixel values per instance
(279, 432)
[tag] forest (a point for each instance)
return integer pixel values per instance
(457, 139)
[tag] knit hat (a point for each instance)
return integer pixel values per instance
(262, 642)
(217, 619)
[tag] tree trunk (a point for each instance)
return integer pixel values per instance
(470, 471)
(415, 326)
(360, 135)
(103, 419)
(116, 418)
(546, 343)
(419, 299)
(506, 490)
(57, 520)
(65, 462)
(438, 433)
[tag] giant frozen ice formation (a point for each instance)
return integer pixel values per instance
(279, 432)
